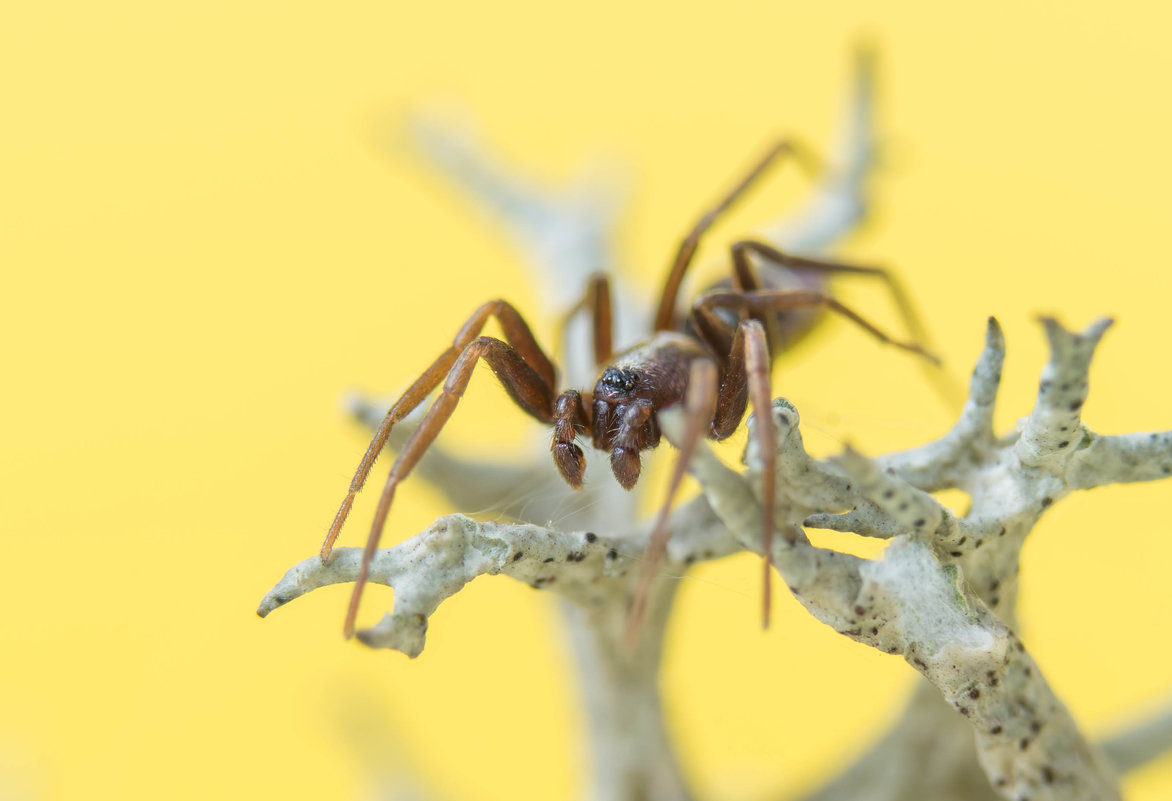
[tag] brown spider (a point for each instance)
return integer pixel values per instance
(717, 359)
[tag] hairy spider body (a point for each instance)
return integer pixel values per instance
(641, 380)
(715, 359)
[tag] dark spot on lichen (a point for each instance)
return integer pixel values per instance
(974, 693)
(1063, 443)
(903, 506)
(1074, 407)
(920, 663)
(1047, 774)
(962, 540)
(964, 710)
(978, 543)
(689, 559)
(1035, 726)
(1023, 743)
(860, 610)
(853, 632)
(956, 553)
(591, 536)
(1002, 532)
(994, 584)
(889, 494)
(1047, 501)
(576, 557)
(920, 522)
(874, 630)
(612, 554)
(996, 599)
(547, 561)
(517, 556)
(995, 730)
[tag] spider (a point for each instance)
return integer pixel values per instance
(716, 357)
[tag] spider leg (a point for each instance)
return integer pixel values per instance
(665, 315)
(734, 389)
(760, 391)
(596, 299)
(728, 343)
(527, 387)
(698, 406)
(712, 330)
(747, 378)
(516, 332)
(944, 384)
(772, 300)
(741, 267)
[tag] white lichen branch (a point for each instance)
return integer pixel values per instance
(588, 569)
(592, 573)
(931, 597)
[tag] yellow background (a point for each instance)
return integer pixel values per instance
(203, 246)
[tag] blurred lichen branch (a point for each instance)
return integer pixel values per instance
(941, 596)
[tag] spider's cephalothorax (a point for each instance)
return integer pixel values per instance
(642, 381)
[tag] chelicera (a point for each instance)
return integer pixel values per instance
(716, 356)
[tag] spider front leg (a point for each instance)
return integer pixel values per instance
(717, 412)
(748, 377)
(524, 370)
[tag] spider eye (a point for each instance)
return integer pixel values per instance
(619, 380)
